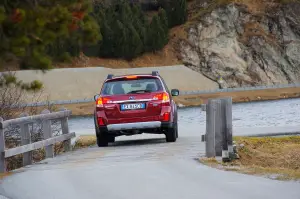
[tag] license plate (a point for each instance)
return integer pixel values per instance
(125, 107)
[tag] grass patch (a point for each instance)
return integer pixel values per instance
(273, 157)
(85, 141)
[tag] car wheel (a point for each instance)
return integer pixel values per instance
(102, 140)
(171, 135)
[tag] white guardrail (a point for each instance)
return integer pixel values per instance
(60, 102)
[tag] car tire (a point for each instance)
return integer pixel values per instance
(102, 140)
(171, 135)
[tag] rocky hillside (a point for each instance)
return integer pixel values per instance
(246, 45)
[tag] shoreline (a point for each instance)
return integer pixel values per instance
(185, 101)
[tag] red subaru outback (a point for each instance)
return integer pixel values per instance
(135, 104)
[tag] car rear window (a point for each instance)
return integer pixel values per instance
(131, 86)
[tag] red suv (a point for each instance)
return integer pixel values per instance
(135, 104)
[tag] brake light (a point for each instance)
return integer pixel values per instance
(100, 121)
(102, 100)
(162, 96)
(166, 117)
(131, 77)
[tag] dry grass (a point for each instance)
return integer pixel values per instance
(254, 29)
(274, 157)
(85, 141)
(196, 100)
(279, 155)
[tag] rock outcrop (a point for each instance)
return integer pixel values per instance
(245, 49)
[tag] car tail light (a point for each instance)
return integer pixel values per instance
(102, 100)
(100, 121)
(164, 97)
(166, 117)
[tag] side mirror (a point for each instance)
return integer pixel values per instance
(96, 97)
(174, 92)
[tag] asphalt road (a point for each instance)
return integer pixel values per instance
(140, 167)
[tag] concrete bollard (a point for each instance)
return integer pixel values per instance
(210, 129)
(218, 135)
(219, 128)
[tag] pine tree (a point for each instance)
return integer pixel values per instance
(120, 39)
(140, 23)
(176, 11)
(182, 11)
(134, 44)
(28, 32)
(125, 13)
(156, 34)
(164, 21)
(107, 43)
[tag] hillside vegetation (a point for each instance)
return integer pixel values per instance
(171, 54)
(116, 35)
(36, 34)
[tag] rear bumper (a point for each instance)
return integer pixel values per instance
(136, 126)
(133, 126)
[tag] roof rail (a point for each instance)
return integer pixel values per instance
(109, 76)
(155, 73)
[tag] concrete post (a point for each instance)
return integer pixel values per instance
(228, 126)
(227, 148)
(219, 120)
(210, 129)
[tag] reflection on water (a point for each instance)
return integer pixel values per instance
(254, 114)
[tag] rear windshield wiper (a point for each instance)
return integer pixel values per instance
(139, 91)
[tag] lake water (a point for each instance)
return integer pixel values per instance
(246, 115)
